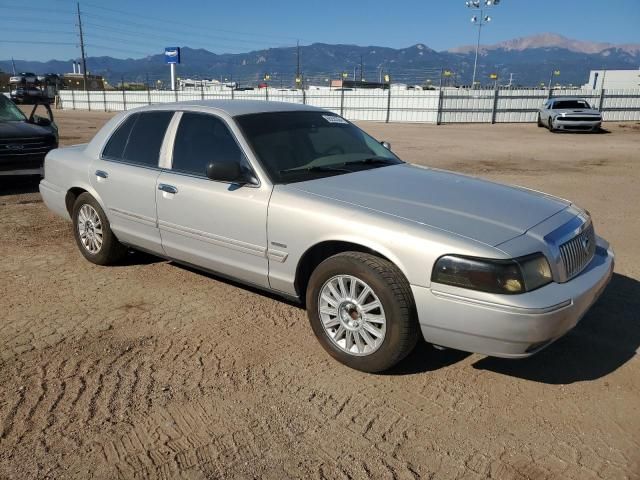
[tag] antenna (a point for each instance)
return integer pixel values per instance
(84, 58)
(298, 80)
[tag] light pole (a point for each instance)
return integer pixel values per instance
(479, 21)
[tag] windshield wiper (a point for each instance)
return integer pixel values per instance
(316, 168)
(372, 161)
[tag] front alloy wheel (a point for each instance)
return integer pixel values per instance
(362, 311)
(352, 315)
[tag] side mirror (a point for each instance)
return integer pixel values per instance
(224, 171)
(41, 121)
(229, 172)
(386, 145)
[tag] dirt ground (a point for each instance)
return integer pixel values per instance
(151, 370)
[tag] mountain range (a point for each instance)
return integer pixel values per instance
(529, 59)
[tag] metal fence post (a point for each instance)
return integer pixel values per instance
(88, 100)
(148, 94)
(388, 103)
(550, 92)
(304, 97)
(602, 96)
(342, 102)
(124, 99)
(104, 98)
(495, 105)
(266, 93)
(175, 94)
(232, 95)
(201, 89)
(440, 100)
(73, 99)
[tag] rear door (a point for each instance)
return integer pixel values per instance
(125, 177)
(215, 225)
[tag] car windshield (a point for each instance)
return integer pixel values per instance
(9, 112)
(562, 104)
(303, 145)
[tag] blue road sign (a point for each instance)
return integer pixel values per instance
(172, 55)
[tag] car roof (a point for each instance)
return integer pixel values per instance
(235, 108)
(555, 99)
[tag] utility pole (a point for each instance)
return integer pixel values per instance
(84, 58)
(13, 65)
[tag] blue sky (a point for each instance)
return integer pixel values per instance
(123, 29)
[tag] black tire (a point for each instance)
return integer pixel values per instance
(111, 250)
(550, 125)
(392, 289)
(540, 124)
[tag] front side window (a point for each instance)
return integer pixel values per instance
(303, 145)
(139, 139)
(202, 139)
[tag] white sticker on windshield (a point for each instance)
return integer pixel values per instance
(334, 119)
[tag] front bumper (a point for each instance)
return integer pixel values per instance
(568, 124)
(516, 326)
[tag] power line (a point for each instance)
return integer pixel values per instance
(190, 26)
(34, 42)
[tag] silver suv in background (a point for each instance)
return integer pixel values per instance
(569, 114)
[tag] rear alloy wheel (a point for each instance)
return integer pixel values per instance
(362, 311)
(92, 232)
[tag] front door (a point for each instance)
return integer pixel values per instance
(218, 226)
(125, 178)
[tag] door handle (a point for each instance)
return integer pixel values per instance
(167, 188)
(102, 174)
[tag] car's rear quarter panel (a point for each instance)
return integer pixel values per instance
(64, 169)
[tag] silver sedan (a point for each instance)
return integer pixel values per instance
(298, 201)
(563, 114)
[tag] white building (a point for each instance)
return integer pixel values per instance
(613, 79)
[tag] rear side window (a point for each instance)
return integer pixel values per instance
(202, 139)
(115, 145)
(139, 138)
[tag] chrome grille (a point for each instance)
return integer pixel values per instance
(578, 252)
(16, 147)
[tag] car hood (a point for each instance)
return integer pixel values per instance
(580, 111)
(23, 129)
(484, 211)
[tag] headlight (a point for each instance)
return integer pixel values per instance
(495, 276)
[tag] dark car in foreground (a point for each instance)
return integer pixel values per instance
(25, 141)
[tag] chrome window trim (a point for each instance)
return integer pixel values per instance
(166, 151)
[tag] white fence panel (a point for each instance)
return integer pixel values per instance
(365, 105)
(455, 106)
(414, 106)
(465, 106)
(329, 99)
